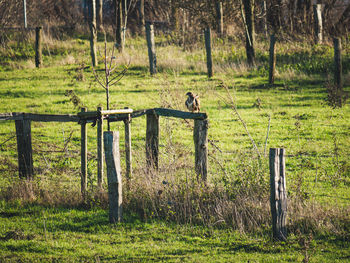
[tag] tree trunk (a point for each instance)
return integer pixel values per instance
(99, 8)
(219, 18)
(93, 31)
(141, 7)
(249, 30)
(119, 22)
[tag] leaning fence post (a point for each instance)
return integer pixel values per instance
(152, 140)
(151, 48)
(272, 61)
(200, 137)
(278, 193)
(38, 47)
(114, 177)
(128, 156)
(99, 148)
(24, 147)
(83, 152)
(207, 37)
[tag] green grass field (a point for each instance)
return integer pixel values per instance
(45, 221)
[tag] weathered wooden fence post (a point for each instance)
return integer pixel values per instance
(83, 154)
(318, 23)
(151, 48)
(99, 148)
(38, 47)
(128, 156)
(200, 137)
(272, 60)
(114, 177)
(207, 37)
(219, 18)
(278, 193)
(338, 81)
(152, 140)
(24, 147)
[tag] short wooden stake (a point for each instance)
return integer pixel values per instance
(24, 148)
(99, 148)
(152, 140)
(151, 48)
(272, 60)
(83, 152)
(200, 137)
(38, 47)
(207, 37)
(318, 23)
(128, 156)
(278, 194)
(114, 177)
(338, 81)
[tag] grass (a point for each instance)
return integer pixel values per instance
(45, 220)
(39, 234)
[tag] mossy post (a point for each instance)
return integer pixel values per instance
(207, 37)
(83, 153)
(99, 148)
(278, 193)
(24, 148)
(151, 48)
(152, 140)
(318, 23)
(38, 47)
(200, 137)
(114, 177)
(272, 60)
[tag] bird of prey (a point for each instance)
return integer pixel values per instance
(192, 103)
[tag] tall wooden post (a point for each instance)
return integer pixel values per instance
(249, 30)
(99, 148)
(83, 153)
(272, 60)
(318, 23)
(38, 47)
(114, 177)
(200, 137)
(151, 48)
(24, 148)
(93, 31)
(278, 193)
(207, 37)
(128, 156)
(152, 140)
(219, 18)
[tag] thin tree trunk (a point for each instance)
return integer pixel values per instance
(118, 23)
(99, 9)
(141, 6)
(249, 30)
(93, 31)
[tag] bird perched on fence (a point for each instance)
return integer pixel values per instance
(192, 103)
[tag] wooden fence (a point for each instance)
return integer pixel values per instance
(24, 137)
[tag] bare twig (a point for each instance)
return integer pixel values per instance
(267, 135)
(232, 104)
